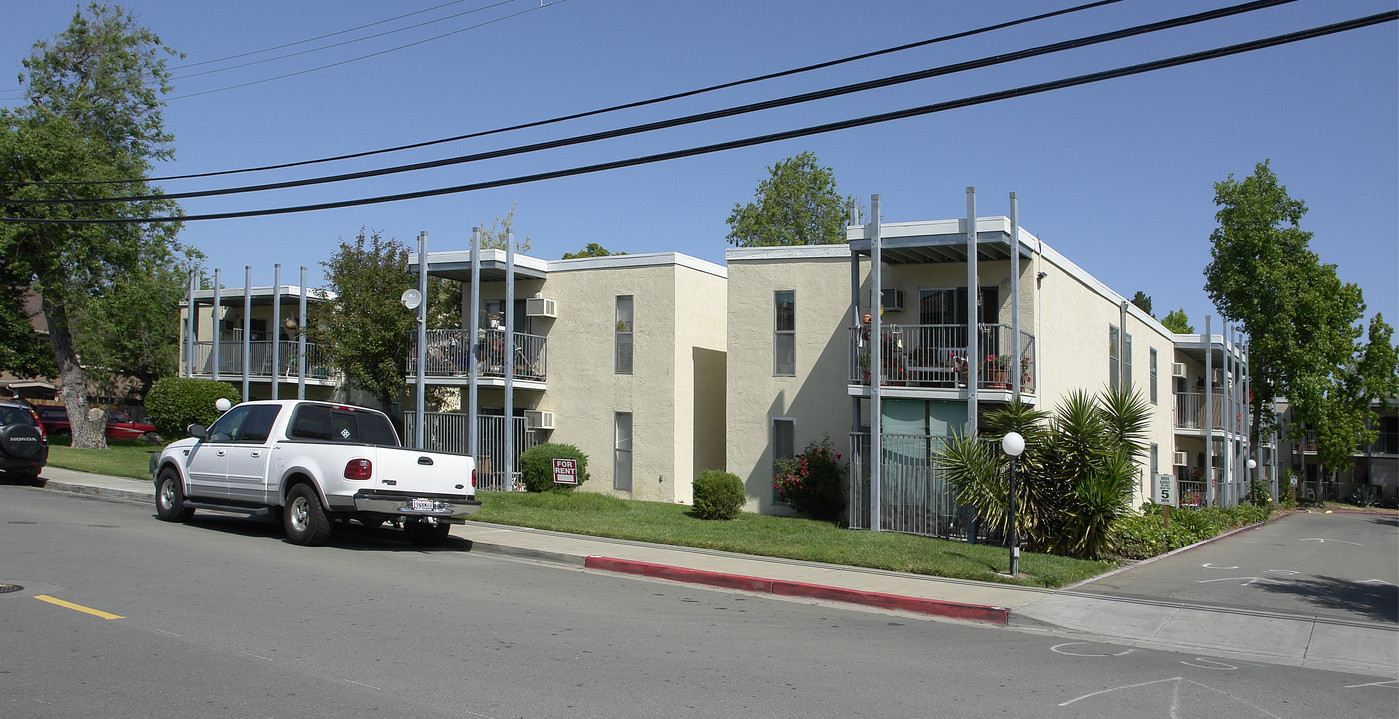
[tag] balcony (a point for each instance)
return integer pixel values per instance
(935, 357)
(449, 355)
(1190, 411)
(318, 368)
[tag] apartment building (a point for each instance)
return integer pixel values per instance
(812, 353)
(622, 356)
(250, 337)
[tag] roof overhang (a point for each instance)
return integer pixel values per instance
(940, 241)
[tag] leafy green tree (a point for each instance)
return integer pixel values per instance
(1075, 480)
(494, 237)
(92, 113)
(1143, 302)
(798, 204)
(592, 250)
(1303, 322)
(1177, 322)
(364, 331)
(132, 328)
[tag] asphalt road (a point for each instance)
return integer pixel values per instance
(1341, 567)
(221, 618)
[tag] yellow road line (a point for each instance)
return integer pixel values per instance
(77, 607)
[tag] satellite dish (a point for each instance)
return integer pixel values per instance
(222, 404)
(411, 299)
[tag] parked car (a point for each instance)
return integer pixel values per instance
(24, 448)
(119, 424)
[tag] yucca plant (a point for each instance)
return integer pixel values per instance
(1075, 479)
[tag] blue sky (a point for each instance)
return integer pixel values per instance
(1118, 175)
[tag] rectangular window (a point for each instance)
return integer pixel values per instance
(784, 432)
(1119, 358)
(784, 334)
(1155, 457)
(624, 335)
(621, 452)
(1153, 375)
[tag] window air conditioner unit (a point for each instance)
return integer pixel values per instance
(1178, 369)
(539, 419)
(891, 299)
(1180, 459)
(541, 307)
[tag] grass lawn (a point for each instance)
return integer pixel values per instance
(764, 535)
(757, 534)
(122, 458)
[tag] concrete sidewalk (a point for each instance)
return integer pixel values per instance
(1216, 631)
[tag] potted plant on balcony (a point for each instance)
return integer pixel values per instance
(997, 371)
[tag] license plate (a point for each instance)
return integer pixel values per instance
(423, 505)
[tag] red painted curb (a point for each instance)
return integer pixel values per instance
(779, 587)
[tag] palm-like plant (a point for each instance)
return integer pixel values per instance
(1077, 475)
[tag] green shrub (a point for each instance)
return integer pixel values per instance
(1141, 536)
(813, 482)
(718, 495)
(1260, 494)
(537, 466)
(174, 403)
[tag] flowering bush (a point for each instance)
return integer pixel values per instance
(813, 482)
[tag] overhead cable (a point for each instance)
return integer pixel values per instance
(694, 118)
(1075, 81)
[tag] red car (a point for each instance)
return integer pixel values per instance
(119, 424)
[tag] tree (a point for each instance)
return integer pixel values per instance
(132, 329)
(365, 330)
(494, 237)
(1143, 302)
(592, 250)
(1302, 321)
(1177, 322)
(92, 114)
(799, 204)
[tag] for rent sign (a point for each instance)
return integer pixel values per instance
(565, 471)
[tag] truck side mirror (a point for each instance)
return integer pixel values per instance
(198, 431)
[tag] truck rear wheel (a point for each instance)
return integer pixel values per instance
(304, 518)
(170, 498)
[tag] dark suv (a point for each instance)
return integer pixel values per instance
(23, 446)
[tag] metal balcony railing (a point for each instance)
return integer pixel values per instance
(318, 367)
(1190, 411)
(935, 356)
(450, 432)
(449, 354)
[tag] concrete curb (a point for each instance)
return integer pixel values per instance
(110, 492)
(787, 588)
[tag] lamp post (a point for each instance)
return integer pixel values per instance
(1248, 491)
(1013, 444)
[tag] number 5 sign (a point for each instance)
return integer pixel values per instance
(1164, 491)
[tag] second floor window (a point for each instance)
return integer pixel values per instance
(1119, 357)
(784, 335)
(1153, 375)
(624, 335)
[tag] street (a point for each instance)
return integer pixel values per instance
(121, 615)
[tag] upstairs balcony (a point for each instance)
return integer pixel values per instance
(450, 353)
(935, 357)
(1190, 412)
(230, 364)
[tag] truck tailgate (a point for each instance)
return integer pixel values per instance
(414, 471)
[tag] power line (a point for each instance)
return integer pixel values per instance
(614, 108)
(698, 117)
(1137, 69)
(370, 55)
(354, 40)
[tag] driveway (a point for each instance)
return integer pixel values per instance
(1308, 589)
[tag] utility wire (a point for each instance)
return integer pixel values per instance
(285, 45)
(695, 118)
(541, 6)
(614, 108)
(1075, 81)
(353, 40)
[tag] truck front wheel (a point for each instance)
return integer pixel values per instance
(170, 498)
(304, 518)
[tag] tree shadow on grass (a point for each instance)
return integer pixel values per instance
(1379, 601)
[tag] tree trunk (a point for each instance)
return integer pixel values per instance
(88, 432)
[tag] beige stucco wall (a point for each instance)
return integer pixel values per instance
(816, 397)
(678, 343)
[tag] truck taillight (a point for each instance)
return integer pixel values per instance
(359, 469)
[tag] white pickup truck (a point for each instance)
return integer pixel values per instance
(315, 464)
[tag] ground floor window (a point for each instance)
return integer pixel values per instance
(621, 452)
